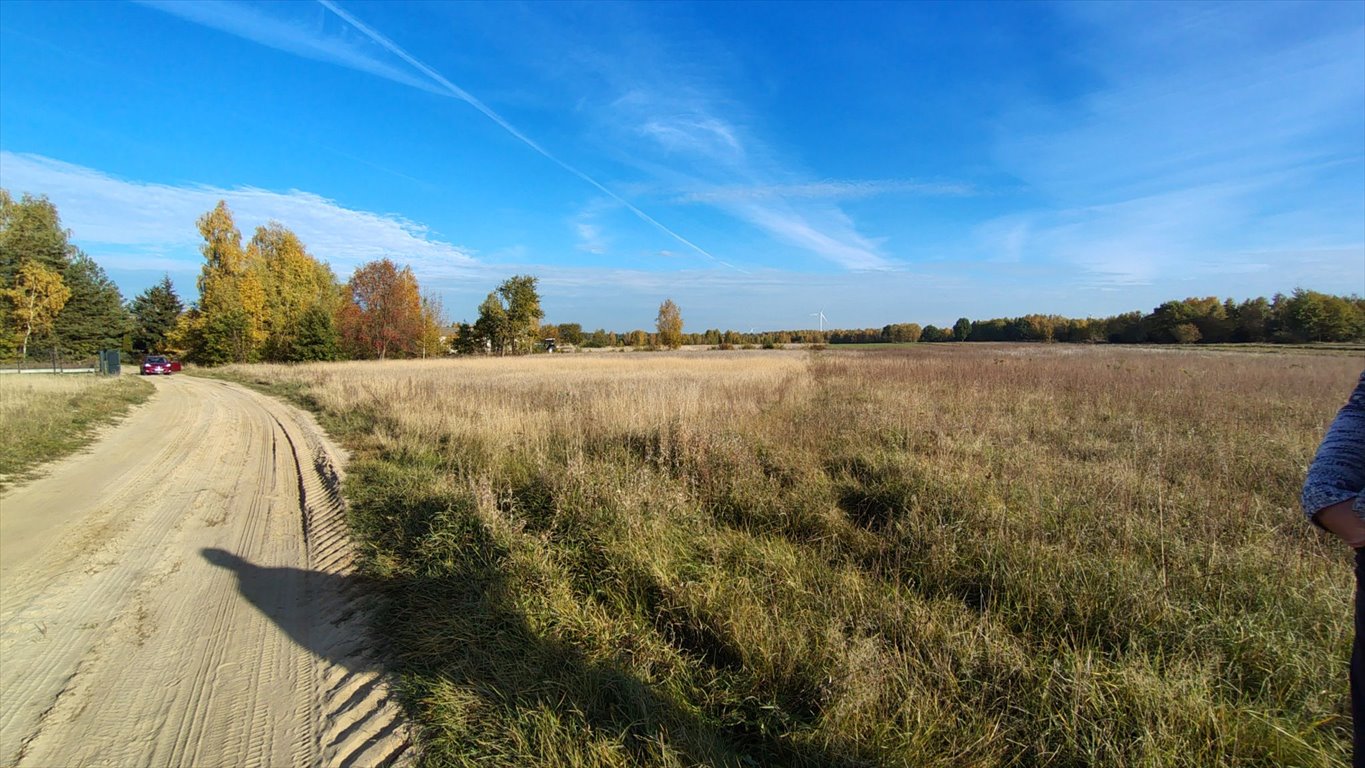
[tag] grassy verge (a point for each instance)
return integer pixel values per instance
(44, 417)
(956, 556)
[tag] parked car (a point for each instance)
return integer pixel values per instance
(158, 364)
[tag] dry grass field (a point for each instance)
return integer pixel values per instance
(955, 555)
(44, 416)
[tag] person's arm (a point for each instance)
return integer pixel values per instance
(1334, 491)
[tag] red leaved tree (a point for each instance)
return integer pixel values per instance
(383, 317)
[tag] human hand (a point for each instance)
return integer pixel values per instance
(1343, 521)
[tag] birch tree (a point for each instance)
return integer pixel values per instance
(35, 299)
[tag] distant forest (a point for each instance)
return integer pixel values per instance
(1301, 317)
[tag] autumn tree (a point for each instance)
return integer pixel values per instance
(383, 314)
(901, 332)
(296, 285)
(669, 325)
(229, 322)
(1312, 316)
(524, 314)
(155, 312)
(570, 333)
(429, 343)
(30, 231)
(35, 298)
(1251, 320)
(509, 318)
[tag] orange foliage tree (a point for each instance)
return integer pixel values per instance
(383, 317)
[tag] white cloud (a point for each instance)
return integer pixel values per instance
(103, 211)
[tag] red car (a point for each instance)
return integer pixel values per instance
(158, 364)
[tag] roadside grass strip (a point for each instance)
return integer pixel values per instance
(45, 417)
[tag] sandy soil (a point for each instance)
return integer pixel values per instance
(182, 594)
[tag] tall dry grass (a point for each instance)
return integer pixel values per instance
(960, 555)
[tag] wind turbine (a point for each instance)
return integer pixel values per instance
(821, 313)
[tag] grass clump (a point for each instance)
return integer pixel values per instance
(44, 417)
(963, 556)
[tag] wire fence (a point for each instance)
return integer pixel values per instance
(55, 361)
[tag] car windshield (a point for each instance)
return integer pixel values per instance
(156, 359)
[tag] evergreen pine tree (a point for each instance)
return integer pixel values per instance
(315, 337)
(94, 317)
(155, 312)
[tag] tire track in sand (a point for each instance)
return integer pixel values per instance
(186, 595)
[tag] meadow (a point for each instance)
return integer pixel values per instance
(949, 555)
(46, 416)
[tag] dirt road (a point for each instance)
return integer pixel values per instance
(182, 595)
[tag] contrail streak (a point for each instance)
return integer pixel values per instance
(469, 98)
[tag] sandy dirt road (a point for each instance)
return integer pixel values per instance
(181, 594)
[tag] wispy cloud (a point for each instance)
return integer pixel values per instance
(590, 237)
(1213, 145)
(295, 36)
(835, 238)
(694, 134)
(588, 230)
(801, 215)
(1203, 234)
(115, 216)
(315, 42)
(828, 190)
(684, 128)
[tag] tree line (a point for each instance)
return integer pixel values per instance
(268, 299)
(1302, 317)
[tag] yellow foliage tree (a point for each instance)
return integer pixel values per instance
(433, 325)
(670, 325)
(230, 325)
(36, 297)
(294, 283)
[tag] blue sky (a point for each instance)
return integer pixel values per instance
(757, 163)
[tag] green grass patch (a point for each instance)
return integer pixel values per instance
(44, 417)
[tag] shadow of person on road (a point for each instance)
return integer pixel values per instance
(318, 611)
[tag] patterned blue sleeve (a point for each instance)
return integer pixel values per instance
(1338, 470)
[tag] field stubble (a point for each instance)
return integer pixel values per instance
(982, 555)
